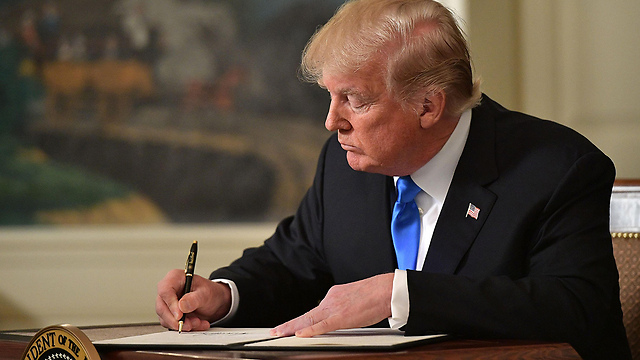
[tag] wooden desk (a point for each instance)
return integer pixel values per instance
(12, 347)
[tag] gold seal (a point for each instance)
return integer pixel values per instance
(60, 342)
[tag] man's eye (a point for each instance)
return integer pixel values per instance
(356, 103)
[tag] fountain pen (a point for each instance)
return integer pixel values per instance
(189, 268)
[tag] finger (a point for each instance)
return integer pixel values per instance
(164, 323)
(194, 301)
(194, 323)
(167, 319)
(197, 324)
(169, 288)
(199, 299)
(321, 327)
(290, 327)
(163, 310)
(188, 303)
(201, 293)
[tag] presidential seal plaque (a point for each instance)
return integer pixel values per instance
(60, 342)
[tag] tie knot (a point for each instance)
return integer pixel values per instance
(407, 189)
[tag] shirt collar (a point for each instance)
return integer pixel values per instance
(435, 176)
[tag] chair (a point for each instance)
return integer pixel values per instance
(625, 233)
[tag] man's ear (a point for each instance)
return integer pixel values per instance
(432, 108)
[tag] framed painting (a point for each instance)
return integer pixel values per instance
(144, 111)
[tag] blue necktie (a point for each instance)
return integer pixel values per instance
(405, 224)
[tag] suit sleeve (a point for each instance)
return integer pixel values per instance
(287, 275)
(569, 292)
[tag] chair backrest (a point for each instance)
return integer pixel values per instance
(625, 233)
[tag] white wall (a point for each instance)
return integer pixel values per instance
(571, 61)
(580, 68)
(461, 9)
(104, 275)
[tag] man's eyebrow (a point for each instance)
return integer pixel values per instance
(354, 92)
(349, 91)
(364, 95)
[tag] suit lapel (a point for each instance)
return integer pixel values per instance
(378, 230)
(455, 232)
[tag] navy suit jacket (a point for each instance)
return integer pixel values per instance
(537, 263)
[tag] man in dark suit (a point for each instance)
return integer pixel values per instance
(511, 211)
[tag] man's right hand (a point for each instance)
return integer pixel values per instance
(208, 301)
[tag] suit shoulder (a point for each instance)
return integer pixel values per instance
(543, 148)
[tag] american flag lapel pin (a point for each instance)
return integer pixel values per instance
(473, 211)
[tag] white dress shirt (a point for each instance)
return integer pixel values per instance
(434, 179)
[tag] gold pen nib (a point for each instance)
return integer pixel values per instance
(180, 327)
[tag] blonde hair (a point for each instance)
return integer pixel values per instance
(415, 45)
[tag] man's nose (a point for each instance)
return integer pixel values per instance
(335, 121)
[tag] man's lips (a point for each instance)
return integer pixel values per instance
(348, 147)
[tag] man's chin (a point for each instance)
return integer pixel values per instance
(355, 161)
(358, 162)
(361, 163)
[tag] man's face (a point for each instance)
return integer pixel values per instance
(377, 133)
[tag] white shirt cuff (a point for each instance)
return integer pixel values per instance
(399, 300)
(235, 297)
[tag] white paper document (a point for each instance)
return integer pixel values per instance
(259, 338)
(368, 338)
(214, 337)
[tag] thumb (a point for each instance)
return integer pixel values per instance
(188, 303)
